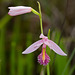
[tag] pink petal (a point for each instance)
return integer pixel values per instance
(18, 10)
(55, 47)
(33, 47)
(42, 36)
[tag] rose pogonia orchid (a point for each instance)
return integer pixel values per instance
(18, 10)
(43, 58)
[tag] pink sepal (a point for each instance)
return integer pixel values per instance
(33, 47)
(55, 47)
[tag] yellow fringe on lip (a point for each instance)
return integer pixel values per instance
(43, 55)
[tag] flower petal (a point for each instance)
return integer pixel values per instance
(42, 36)
(18, 10)
(55, 47)
(33, 47)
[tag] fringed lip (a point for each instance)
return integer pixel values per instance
(43, 58)
(46, 61)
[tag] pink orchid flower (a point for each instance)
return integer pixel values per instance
(43, 58)
(18, 10)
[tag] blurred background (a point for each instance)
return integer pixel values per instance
(19, 32)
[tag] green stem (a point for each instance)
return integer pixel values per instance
(48, 71)
(40, 16)
(35, 12)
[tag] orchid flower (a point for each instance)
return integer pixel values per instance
(18, 10)
(43, 58)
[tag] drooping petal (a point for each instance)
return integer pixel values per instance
(33, 47)
(55, 47)
(42, 36)
(18, 10)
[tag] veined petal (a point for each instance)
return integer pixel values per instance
(18, 10)
(33, 47)
(55, 47)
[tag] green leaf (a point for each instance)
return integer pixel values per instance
(68, 62)
(4, 20)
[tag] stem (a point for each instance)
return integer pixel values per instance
(40, 16)
(48, 71)
(35, 12)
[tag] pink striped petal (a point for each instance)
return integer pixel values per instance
(55, 47)
(18, 10)
(33, 47)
